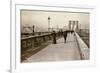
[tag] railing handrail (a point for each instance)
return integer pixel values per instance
(29, 37)
(83, 48)
(84, 45)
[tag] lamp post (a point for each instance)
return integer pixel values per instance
(69, 24)
(49, 24)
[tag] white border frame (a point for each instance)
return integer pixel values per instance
(16, 66)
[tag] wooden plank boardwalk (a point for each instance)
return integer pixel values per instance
(58, 52)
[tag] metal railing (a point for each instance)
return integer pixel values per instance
(32, 43)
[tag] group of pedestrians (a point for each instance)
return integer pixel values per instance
(65, 35)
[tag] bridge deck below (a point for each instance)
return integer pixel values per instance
(58, 52)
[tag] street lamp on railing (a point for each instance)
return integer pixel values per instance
(49, 23)
(33, 29)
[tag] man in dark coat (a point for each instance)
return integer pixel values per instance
(72, 31)
(65, 35)
(54, 37)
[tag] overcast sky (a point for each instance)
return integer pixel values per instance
(60, 19)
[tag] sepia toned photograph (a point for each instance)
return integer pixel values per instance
(49, 36)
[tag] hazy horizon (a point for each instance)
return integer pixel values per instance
(58, 19)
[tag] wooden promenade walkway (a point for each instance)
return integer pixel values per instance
(58, 52)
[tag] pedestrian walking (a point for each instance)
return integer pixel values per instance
(65, 35)
(54, 37)
(72, 31)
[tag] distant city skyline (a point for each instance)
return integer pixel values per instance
(57, 19)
